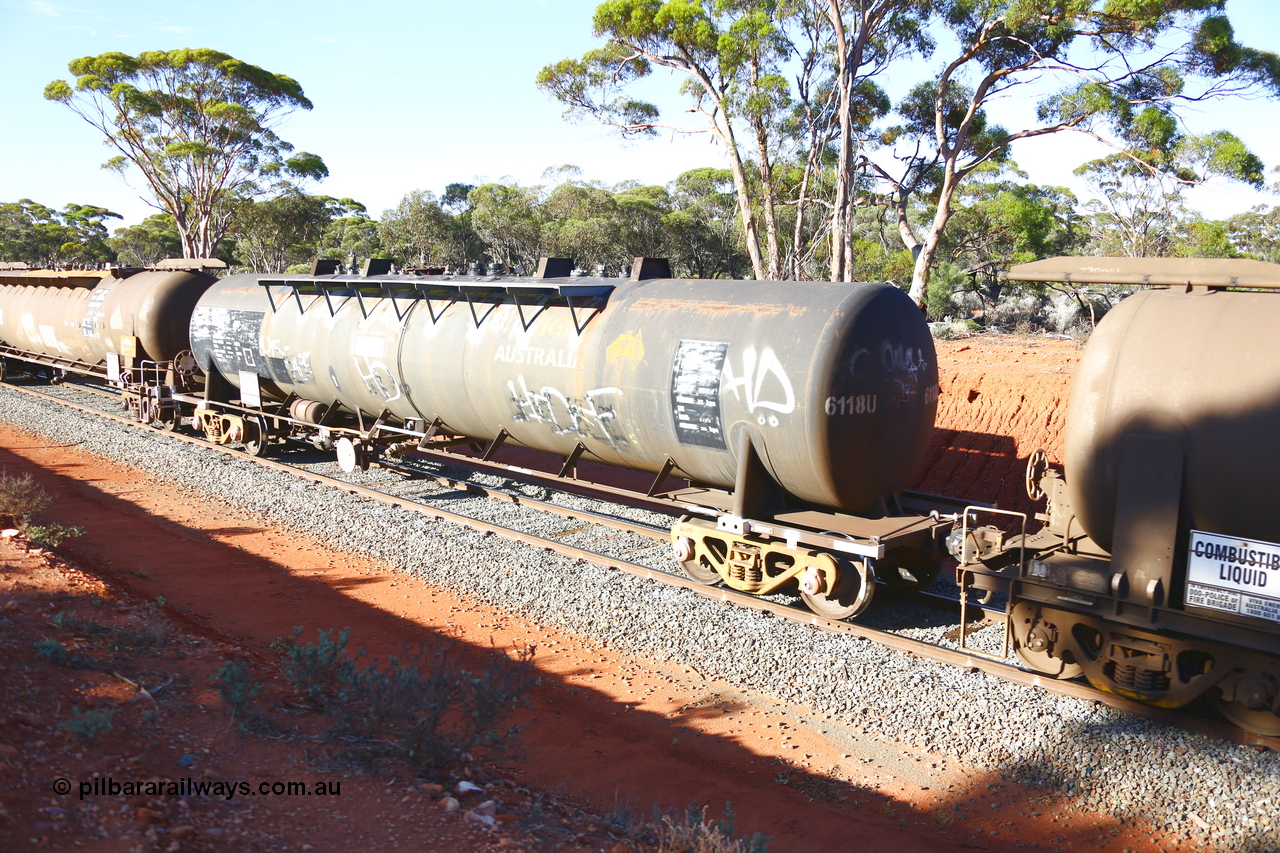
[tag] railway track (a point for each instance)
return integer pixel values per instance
(968, 660)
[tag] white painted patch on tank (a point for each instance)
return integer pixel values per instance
(369, 346)
(50, 338)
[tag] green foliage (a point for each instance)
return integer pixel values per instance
(322, 671)
(42, 237)
(290, 229)
(1005, 222)
(197, 123)
(150, 241)
(50, 535)
(419, 232)
(20, 501)
(236, 687)
(946, 279)
(1205, 239)
(90, 724)
(1256, 233)
(426, 707)
(52, 650)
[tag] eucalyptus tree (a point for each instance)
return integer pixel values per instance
(197, 125)
(41, 236)
(509, 219)
(150, 241)
(1125, 72)
(417, 231)
(726, 55)
(1256, 232)
(870, 37)
(1135, 213)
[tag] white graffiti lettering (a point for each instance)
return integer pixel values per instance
(754, 388)
(378, 378)
(595, 416)
(906, 366)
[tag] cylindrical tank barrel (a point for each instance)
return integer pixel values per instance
(1201, 367)
(836, 384)
(85, 323)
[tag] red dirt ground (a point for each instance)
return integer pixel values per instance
(605, 731)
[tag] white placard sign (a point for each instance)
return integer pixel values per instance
(113, 367)
(249, 393)
(1234, 575)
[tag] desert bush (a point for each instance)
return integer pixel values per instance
(90, 724)
(692, 832)
(425, 705)
(323, 671)
(236, 687)
(20, 498)
(52, 650)
(51, 535)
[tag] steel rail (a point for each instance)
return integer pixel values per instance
(969, 661)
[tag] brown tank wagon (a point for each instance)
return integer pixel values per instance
(798, 397)
(1157, 573)
(125, 325)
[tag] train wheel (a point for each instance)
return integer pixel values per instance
(1263, 722)
(855, 587)
(1035, 640)
(169, 420)
(255, 438)
(699, 568)
(1046, 664)
(701, 571)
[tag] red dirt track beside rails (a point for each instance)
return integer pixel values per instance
(605, 729)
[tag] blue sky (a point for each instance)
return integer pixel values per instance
(417, 95)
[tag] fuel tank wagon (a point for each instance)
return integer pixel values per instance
(833, 386)
(77, 318)
(1157, 573)
(1205, 389)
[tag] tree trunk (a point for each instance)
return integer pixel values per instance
(840, 219)
(745, 210)
(926, 252)
(770, 219)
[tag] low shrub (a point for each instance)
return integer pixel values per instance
(90, 724)
(425, 706)
(20, 498)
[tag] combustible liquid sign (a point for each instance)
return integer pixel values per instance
(1234, 575)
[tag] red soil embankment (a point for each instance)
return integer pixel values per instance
(1002, 397)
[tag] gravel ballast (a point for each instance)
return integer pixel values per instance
(1114, 763)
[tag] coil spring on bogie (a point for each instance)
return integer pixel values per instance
(1138, 678)
(744, 565)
